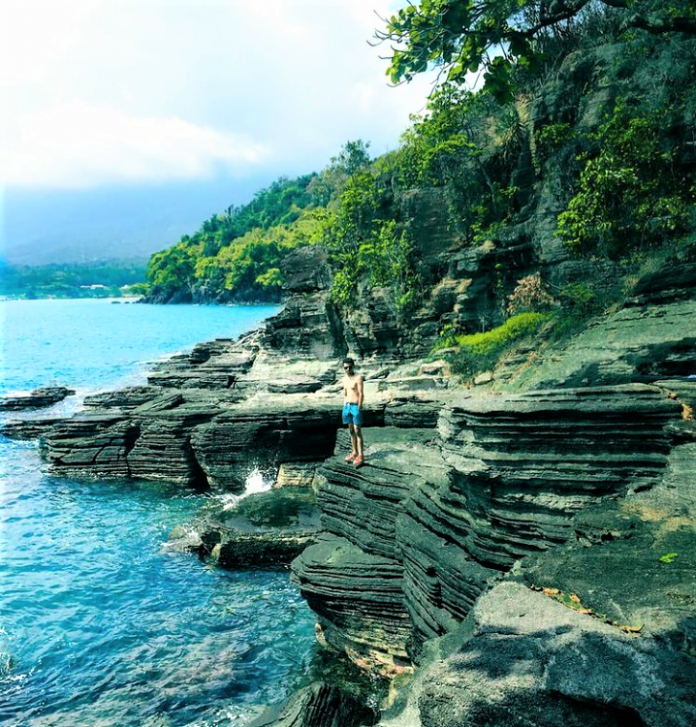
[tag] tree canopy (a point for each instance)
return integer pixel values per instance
(238, 254)
(495, 36)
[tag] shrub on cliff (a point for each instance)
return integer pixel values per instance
(630, 193)
(530, 295)
(468, 145)
(366, 246)
(481, 351)
(390, 258)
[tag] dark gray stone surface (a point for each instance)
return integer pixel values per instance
(521, 658)
(318, 705)
(358, 599)
(268, 528)
(264, 435)
(37, 399)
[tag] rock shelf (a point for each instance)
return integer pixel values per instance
(38, 399)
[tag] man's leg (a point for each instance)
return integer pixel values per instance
(359, 441)
(353, 440)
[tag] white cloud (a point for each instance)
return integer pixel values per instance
(77, 145)
(96, 91)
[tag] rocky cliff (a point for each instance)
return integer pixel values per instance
(516, 553)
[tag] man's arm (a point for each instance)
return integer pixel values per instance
(360, 391)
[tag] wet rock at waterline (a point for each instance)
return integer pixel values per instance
(242, 550)
(260, 529)
(37, 399)
(318, 705)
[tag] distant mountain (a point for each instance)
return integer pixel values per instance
(72, 226)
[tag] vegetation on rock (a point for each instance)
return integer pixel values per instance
(236, 255)
(480, 351)
(500, 37)
(630, 194)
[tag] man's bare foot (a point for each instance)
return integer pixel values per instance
(351, 457)
(359, 461)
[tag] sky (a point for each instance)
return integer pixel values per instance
(126, 123)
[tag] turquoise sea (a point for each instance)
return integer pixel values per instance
(100, 625)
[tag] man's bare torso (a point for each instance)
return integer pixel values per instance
(351, 389)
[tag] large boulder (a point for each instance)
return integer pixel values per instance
(91, 444)
(268, 528)
(358, 599)
(151, 441)
(523, 658)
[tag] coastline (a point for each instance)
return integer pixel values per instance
(83, 557)
(472, 501)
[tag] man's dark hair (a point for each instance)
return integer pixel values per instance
(348, 360)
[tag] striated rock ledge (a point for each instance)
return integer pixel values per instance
(358, 599)
(27, 428)
(318, 705)
(599, 631)
(442, 514)
(38, 399)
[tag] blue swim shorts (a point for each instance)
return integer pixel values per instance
(352, 414)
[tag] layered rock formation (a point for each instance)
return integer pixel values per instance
(441, 514)
(319, 705)
(354, 577)
(431, 557)
(196, 420)
(601, 630)
(28, 428)
(40, 398)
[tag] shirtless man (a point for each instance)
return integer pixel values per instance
(352, 416)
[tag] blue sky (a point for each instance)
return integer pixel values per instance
(160, 101)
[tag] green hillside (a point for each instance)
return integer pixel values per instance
(586, 119)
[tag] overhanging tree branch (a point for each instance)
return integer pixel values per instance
(496, 35)
(671, 25)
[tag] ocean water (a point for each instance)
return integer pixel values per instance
(100, 625)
